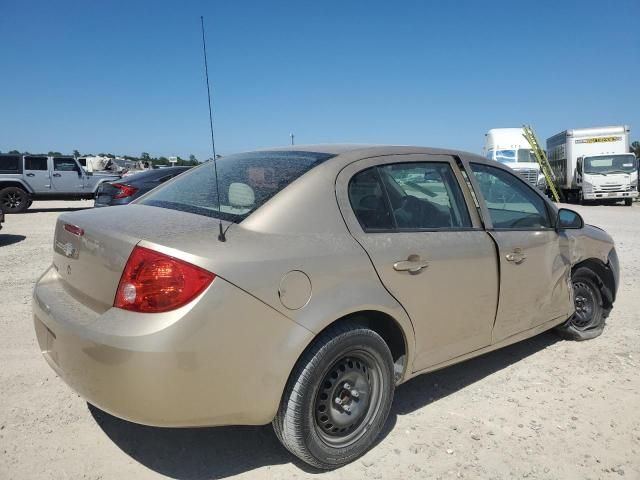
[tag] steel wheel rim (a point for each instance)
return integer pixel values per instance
(340, 424)
(585, 306)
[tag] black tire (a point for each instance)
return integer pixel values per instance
(345, 354)
(14, 200)
(589, 318)
(628, 202)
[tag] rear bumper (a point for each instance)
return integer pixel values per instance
(223, 359)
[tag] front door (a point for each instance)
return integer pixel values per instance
(66, 176)
(535, 269)
(36, 171)
(410, 214)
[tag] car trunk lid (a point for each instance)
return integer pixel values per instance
(91, 247)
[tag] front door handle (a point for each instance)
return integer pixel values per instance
(30, 174)
(517, 256)
(57, 175)
(413, 264)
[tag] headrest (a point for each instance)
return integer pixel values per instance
(241, 195)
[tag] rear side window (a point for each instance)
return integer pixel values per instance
(369, 202)
(408, 197)
(9, 163)
(425, 196)
(246, 182)
(35, 163)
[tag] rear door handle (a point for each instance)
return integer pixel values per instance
(57, 175)
(413, 264)
(517, 256)
(30, 174)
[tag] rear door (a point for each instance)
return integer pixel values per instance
(535, 269)
(410, 214)
(66, 176)
(36, 171)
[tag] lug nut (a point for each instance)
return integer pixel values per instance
(338, 401)
(346, 408)
(347, 386)
(355, 393)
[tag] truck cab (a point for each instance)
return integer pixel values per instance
(510, 147)
(24, 178)
(608, 177)
(594, 164)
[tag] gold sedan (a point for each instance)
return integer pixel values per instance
(303, 284)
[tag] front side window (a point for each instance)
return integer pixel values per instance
(511, 203)
(408, 196)
(35, 163)
(245, 181)
(65, 165)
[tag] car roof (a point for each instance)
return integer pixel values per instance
(373, 150)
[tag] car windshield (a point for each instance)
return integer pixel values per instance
(506, 156)
(611, 164)
(526, 155)
(246, 181)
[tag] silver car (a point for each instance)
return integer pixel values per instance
(305, 283)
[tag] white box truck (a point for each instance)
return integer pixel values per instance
(509, 146)
(594, 164)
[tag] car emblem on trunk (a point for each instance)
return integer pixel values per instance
(66, 248)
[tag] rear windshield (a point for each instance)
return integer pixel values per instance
(152, 175)
(246, 181)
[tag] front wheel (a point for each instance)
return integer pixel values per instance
(14, 200)
(338, 397)
(588, 320)
(628, 202)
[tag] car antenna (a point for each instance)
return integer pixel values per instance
(221, 236)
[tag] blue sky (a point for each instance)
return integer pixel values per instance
(126, 77)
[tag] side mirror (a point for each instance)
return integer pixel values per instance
(568, 220)
(579, 166)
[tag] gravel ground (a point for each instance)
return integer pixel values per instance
(543, 408)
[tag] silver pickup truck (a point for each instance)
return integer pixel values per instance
(24, 178)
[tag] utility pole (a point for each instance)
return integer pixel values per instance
(292, 137)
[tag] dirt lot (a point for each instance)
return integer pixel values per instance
(543, 408)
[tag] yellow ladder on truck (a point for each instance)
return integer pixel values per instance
(541, 157)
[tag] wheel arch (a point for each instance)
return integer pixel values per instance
(385, 325)
(605, 276)
(15, 183)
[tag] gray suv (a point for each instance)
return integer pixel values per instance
(24, 178)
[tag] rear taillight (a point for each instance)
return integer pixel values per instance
(74, 229)
(153, 282)
(125, 190)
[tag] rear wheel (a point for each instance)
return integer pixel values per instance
(338, 397)
(14, 200)
(589, 318)
(628, 202)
